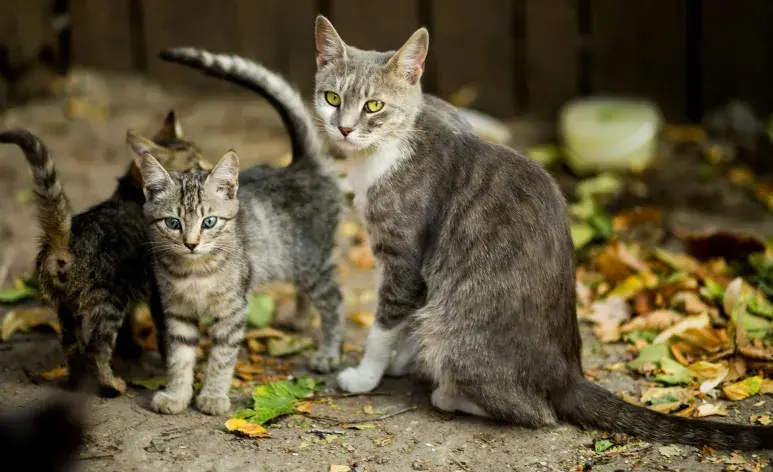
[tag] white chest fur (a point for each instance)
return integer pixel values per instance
(366, 172)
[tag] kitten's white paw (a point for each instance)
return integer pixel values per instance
(169, 403)
(215, 405)
(324, 363)
(354, 381)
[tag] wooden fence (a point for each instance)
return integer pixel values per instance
(524, 56)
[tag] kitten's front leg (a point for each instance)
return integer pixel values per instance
(182, 339)
(401, 293)
(227, 336)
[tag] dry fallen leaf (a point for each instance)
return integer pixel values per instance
(339, 468)
(246, 428)
(711, 409)
(255, 346)
(363, 318)
(661, 394)
(607, 314)
(657, 320)
(690, 322)
(764, 420)
(743, 389)
(264, 333)
(304, 408)
(368, 409)
(56, 373)
(25, 319)
(361, 257)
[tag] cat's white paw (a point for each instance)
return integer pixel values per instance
(215, 405)
(169, 403)
(324, 363)
(355, 381)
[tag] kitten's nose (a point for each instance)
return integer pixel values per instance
(191, 246)
(344, 131)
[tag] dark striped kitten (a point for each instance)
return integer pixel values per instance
(94, 266)
(473, 243)
(218, 235)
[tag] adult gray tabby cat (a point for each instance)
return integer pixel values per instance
(219, 234)
(473, 245)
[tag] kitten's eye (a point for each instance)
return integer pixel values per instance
(372, 106)
(209, 222)
(333, 99)
(172, 223)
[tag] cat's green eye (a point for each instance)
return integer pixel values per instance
(172, 223)
(333, 99)
(209, 222)
(372, 106)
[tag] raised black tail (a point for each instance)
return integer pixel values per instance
(592, 406)
(54, 210)
(270, 85)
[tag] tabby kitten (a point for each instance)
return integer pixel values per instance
(94, 266)
(218, 235)
(475, 255)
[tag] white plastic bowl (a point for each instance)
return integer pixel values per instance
(607, 134)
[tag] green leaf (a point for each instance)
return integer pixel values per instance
(260, 310)
(601, 445)
(288, 345)
(645, 335)
(601, 225)
(17, 294)
(603, 184)
(664, 399)
(276, 399)
(713, 291)
(153, 383)
(674, 373)
(544, 155)
(582, 234)
(651, 354)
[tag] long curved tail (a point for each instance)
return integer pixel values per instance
(54, 211)
(270, 85)
(592, 406)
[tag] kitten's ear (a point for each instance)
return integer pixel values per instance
(329, 44)
(172, 130)
(141, 145)
(155, 179)
(408, 62)
(224, 178)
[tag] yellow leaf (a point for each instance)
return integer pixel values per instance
(56, 373)
(255, 346)
(711, 409)
(690, 322)
(764, 420)
(361, 257)
(246, 428)
(304, 408)
(264, 333)
(657, 320)
(743, 389)
(767, 387)
(363, 318)
(340, 468)
(706, 370)
(285, 160)
(25, 319)
(658, 394)
(368, 409)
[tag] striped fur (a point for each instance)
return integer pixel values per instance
(270, 85)
(93, 267)
(54, 210)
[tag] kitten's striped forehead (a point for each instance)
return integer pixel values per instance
(191, 193)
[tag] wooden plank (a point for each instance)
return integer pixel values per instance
(552, 55)
(279, 37)
(737, 53)
(199, 23)
(473, 45)
(639, 49)
(380, 26)
(101, 34)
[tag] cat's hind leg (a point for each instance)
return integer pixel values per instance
(71, 347)
(105, 315)
(323, 291)
(404, 355)
(445, 397)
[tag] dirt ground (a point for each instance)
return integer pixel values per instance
(125, 435)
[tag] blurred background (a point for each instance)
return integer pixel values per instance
(653, 115)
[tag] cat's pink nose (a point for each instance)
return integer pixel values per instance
(344, 131)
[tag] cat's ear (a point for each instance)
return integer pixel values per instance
(329, 44)
(141, 145)
(224, 177)
(172, 130)
(408, 62)
(155, 179)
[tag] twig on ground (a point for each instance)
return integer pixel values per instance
(348, 395)
(338, 422)
(459, 463)
(322, 432)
